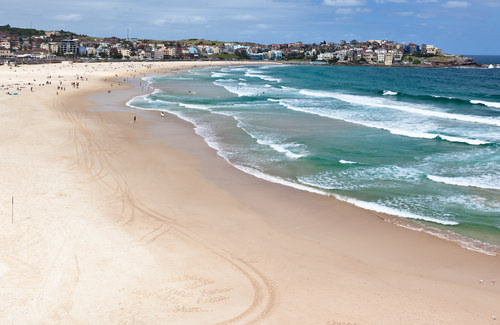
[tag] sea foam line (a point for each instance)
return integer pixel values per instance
(466, 182)
(276, 146)
(411, 134)
(485, 103)
(196, 106)
(240, 91)
(361, 204)
(385, 103)
(263, 77)
(347, 162)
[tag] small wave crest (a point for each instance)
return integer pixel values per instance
(405, 107)
(289, 149)
(240, 89)
(253, 73)
(396, 131)
(397, 212)
(196, 106)
(219, 75)
(347, 162)
(486, 181)
(389, 93)
(485, 103)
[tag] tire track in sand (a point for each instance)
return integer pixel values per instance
(94, 157)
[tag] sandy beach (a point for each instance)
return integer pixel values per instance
(107, 221)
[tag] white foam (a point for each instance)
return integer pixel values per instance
(275, 144)
(196, 106)
(206, 133)
(219, 75)
(473, 142)
(362, 204)
(414, 109)
(347, 162)
(486, 182)
(485, 103)
(283, 148)
(464, 242)
(389, 93)
(240, 90)
(395, 131)
(437, 96)
(277, 180)
(258, 74)
(395, 212)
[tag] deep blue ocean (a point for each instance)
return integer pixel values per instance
(417, 143)
(486, 59)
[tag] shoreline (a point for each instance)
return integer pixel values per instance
(463, 241)
(151, 226)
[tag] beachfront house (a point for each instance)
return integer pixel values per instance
(275, 54)
(53, 47)
(5, 43)
(327, 56)
(389, 58)
(412, 49)
(397, 55)
(4, 52)
(380, 55)
(68, 47)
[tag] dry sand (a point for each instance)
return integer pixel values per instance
(141, 223)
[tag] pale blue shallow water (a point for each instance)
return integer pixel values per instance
(422, 144)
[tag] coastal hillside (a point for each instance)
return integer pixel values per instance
(27, 45)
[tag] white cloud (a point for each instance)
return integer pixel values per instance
(404, 13)
(393, 1)
(69, 17)
(246, 17)
(426, 1)
(344, 3)
(425, 15)
(456, 4)
(351, 11)
(263, 26)
(178, 20)
(199, 20)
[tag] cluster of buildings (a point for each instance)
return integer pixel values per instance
(54, 45)
(373, 52)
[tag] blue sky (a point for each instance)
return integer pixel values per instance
(456, 26)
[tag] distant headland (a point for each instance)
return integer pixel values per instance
(23, 45)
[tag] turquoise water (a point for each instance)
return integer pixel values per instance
(421, 144)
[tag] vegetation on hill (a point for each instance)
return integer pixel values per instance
(202, 41)
(21, 31)
(29, 32)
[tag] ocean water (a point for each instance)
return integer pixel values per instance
(486, 59)
(420, 144)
